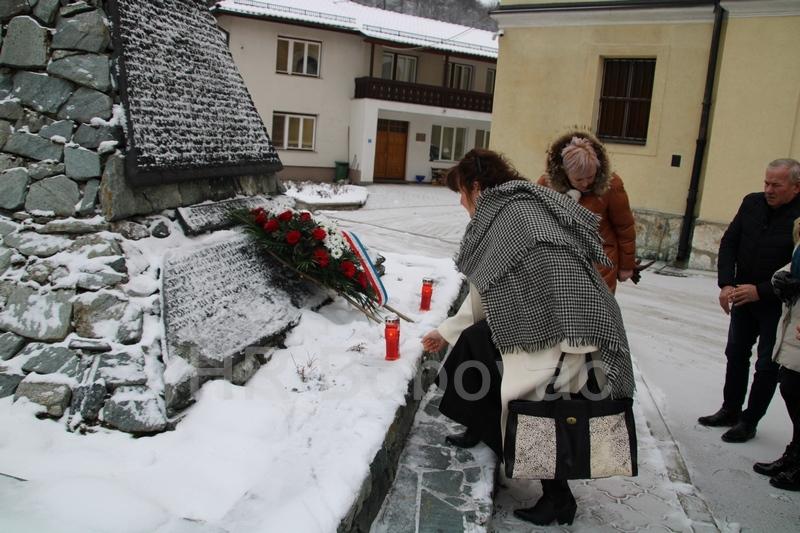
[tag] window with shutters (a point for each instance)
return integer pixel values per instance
(625, 97)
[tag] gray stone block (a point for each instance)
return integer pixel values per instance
(89, 200)
(30, 243)
(53, 396)
(106, 315)
(9, 382)
(131, 230)
(25, 44)
(10, 110)
(91, 136)
(117, 199)
(96, 246)
(58, 194)
(180, 381)
(5, 258)
(49, 322)
(81, 163)
(6, 80)
(5, 131)
(32, 121)
(121, 370)
(73, 226)
(10, 345)
(105, 279)
(244, 370)
(91, 70)
(135, 410)
(47, 359)
(61, 128)
(84, 31)
(41, 92)
(7, 226)
(39, 272)
(8, 161)
(86, 104)
(46, 10)
(32, 146)
(89, 345)
(438, 516)
(87, 400)
(75, 8)
(10, 8)
(45, 169)
(13, 188)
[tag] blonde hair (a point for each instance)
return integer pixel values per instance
(579, 157)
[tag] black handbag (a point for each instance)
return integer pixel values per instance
(572, 437)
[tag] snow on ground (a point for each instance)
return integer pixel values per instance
(322, 194)
(288, 451)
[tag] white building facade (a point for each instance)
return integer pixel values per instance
(393, 96)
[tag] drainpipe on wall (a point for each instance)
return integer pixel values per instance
(687, 226)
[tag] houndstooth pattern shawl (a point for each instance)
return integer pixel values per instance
(530, 252)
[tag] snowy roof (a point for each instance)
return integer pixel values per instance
(188, 112)
(372, 22)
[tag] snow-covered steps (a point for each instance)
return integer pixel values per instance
(438, 488)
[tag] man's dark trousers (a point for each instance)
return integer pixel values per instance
(748, 322)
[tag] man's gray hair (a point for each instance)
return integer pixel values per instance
(792, 164)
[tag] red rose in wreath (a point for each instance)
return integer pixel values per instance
(319, 234)
(261, 218)
(305, 216)
(271, 226)
(362, 280)
(348, 269)
(293, 237)
(320, 257)
(286, 216)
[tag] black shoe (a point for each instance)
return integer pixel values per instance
(559, 507)
(721, 418)
(787, 480)
(468, 439)
(784, 463)
(741, 432)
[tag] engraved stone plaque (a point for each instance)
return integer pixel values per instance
(225, 297)
(201, 218)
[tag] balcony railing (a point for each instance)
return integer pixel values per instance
(416, 93)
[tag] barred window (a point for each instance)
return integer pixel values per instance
(625, 100)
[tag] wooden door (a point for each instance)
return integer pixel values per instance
(390, 149)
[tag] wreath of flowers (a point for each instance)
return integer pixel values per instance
(314, 248)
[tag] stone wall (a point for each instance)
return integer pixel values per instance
(657, 236)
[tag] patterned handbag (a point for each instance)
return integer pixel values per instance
(571, 437)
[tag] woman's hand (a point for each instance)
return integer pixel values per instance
(624, 275)
(433, 341)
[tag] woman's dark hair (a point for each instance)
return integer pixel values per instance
(486, 168)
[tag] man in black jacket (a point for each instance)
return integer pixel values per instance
(756, 244)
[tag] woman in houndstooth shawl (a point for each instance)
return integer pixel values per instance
(528, 254)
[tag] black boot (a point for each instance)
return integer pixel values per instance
(723, 417)
(789, 479)
(741, 432)
(468, 439)
(556, 504)
(789, 458)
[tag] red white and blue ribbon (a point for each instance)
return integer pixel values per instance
(381, 296)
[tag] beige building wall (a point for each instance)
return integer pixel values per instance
(253, 44)
(549, 81)
(757, 110)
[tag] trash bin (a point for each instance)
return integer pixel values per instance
(342, 170)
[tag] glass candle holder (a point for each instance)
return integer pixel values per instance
(392, 334)
(427, 292)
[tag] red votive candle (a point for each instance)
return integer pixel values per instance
(427, 292)
(392, 334)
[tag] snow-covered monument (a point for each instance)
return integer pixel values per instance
(115, 115)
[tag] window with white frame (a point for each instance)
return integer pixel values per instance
(482, 139)
(447, 144)
(298, 57)
(490, 76)
(293, 131)
(460, 76)
(399, 67)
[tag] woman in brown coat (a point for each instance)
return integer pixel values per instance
(577, 165)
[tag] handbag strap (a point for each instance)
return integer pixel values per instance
(591, 381)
